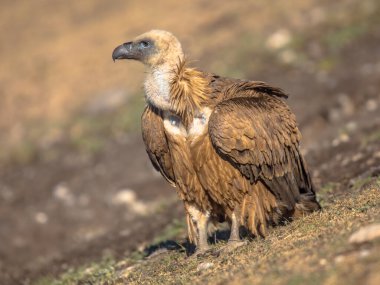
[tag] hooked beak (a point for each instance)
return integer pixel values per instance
(124, 51)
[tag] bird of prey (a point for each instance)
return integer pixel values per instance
(229, 146)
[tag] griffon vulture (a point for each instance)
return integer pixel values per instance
(229, 146)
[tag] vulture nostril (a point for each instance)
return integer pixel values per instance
(128, 45)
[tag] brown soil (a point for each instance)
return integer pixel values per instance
(65, 211)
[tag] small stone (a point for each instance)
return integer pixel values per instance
(127, 271)
(334, 115)
(370, 162)
(344, 137)
(140, 208)
(288, 56)
(367, 68)
(89, 270)
(352, 126)
(19, 241)
(84, 200)
(346, 104)
(63, 193)
(125, 232)
(317, 15)
(371, 105)
(357, 157)
(204, 266)
(41, 218)
(158, 252)
(279, 39)
(364, 253)
(345, 161)
(323, 262)
(6, 193)
(126, 197)
(365, 234)
(339, 259)
(141, 247)
(335, 142)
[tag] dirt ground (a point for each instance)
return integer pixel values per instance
(64, 206)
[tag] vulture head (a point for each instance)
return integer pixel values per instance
(153, 49)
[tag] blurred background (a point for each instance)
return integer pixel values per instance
(75, 182)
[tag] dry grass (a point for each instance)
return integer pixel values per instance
(312, 250)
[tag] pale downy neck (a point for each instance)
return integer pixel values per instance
(176, 88)
(157, 84)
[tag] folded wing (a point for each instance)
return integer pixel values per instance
(257, 133)
(154, 137)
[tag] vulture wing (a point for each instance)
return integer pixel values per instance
(257, 133)
(154, 137)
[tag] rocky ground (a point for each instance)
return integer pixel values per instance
(90, 210)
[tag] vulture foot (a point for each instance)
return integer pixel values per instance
(231, 246)
(202, 253)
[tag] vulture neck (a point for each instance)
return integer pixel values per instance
(176, 88)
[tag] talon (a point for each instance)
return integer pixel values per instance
(231, 246)
(201, 253)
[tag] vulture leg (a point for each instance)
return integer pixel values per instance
(234, 241)
(201, 221)
(202, 233)
(235, 225)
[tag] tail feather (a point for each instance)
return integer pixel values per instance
(261, 210)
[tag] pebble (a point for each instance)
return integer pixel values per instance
(371, 105)
(370, 162)
(345, 161)
(323, 261)
(346, 104)
(365, 234)
(125, 196)
(357, 157)
(128, 198)
(125, 232)
(41, 218)
(317, 15)
(127, 271)
(204, 266)
(63, 193)
(352, 126)
(6, 193)
(158, 252)
(288, 56)
(344, 137)
(278, 39)
(339, 259)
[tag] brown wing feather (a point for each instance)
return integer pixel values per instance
(257, 133)
(226, 88)
(154, 137)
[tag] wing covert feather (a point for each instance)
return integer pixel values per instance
(259, 136)
(156, 145)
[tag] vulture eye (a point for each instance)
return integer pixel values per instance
(144, 44)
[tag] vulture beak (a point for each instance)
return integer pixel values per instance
(124, 51)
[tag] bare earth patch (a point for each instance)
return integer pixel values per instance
(80, 202)
(311, 250)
